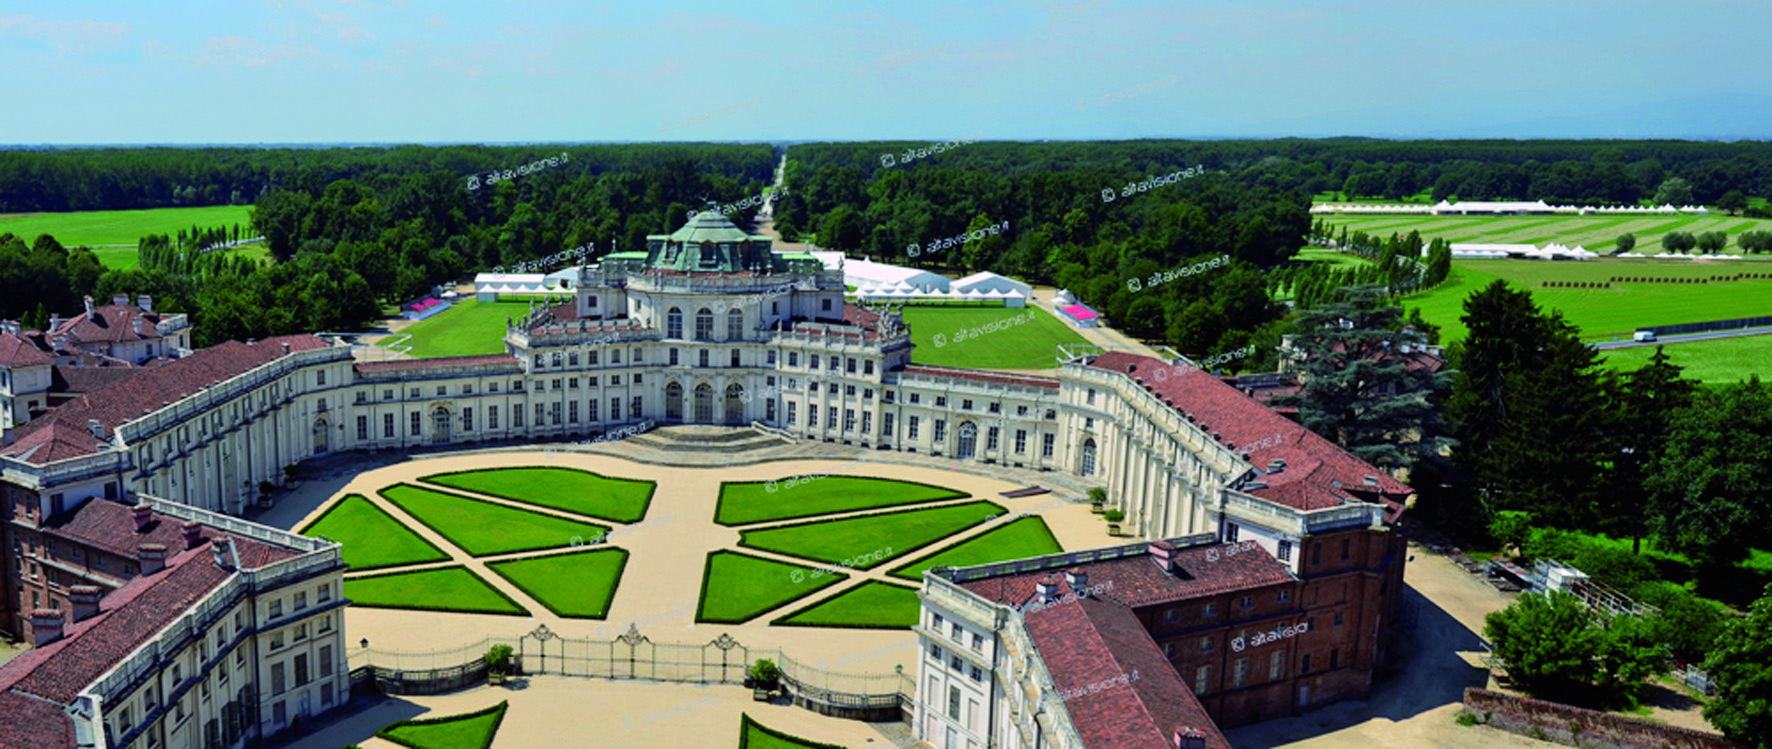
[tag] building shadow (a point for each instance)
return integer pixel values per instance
(1425, 673)
(353, 723)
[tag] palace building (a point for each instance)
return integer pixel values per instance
(710, 325)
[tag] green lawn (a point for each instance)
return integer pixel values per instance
(744, 502)
(583, 492)
(869, 541)
(371, 537)
(482, 528)
(754, 735)
(454, 588)
(1604, 313)
(468, 328)
(576, 585)
(870, 605)
(1019, 539)
(1027, 345)
(1598, 233)
(1719, 362)
(122, 227)
(466, 731)
(736, 587)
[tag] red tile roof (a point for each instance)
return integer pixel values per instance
(18, 351)
(90, 379)
(138, 396)
(1135, 581)
(408, 365)
(861, 317)
(1318, 473)
(128, 617)
(976, 375)
(111, 322)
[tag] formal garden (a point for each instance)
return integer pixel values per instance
(811, 551)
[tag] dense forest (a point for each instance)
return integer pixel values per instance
(351, 226)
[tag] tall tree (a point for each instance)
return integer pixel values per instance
(1733, 201)
(1709, 484)
(1358, 387)
(1639, 423)
(1741, 664)
(1627, 242)
(1674, 191)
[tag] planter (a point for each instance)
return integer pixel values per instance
(759, 694)
(1098, 509)
(1113, 529)
(494, 678)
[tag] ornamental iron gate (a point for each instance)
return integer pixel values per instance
(635, 656)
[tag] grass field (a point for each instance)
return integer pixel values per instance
(466, 731)
(482, 528)
(872, 540)
(1027, 345)
(1719, 362)
(126, 227)
(1027, 537)
(453, 588)
(583, 492)
(371, 537)
(744, 502)
(468, 328)
(576, 585)
(1598, 233)
(754, 735)
(738, 587)
(870, 605)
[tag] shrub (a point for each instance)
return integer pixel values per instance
(765, 670)
(498, 658)
(1097, 496)
(1113, 516)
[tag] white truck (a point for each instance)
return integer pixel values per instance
(1645, 335)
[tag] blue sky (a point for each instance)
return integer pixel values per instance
(320, 71)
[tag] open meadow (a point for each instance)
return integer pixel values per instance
(1025, 345)
(468, 328)
(1598, 233)
(125, 228)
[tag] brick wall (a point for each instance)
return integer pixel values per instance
(1576, 726)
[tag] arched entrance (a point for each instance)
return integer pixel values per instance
(320, 435)
(704, 404)
(674, 403)
(440, 426)
(1087, 467)
(734, 404)
(968, 441)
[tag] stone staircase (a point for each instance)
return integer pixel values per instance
(696, 438)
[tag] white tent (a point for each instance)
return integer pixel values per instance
(862, 273)
(986, 280)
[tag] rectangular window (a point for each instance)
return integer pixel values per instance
(1285, 595)
(1230, 533)
(1304, 666)
(990, 439)
(572, 412)
(1206, 644)
(1046, 446)
(953, 693)
(911, 429)
(1201, 675)
(702, 358)
(1346, 548)
(301, 601)
(517, 417)
(1335, 657)
(849, 390)
(467, 419)
(1285, 551)
(1240, 673)
(1248, 602)
(735, 361)
(1276, 667)
(771, 359)
(1021, 441)
(848, 419)
(673, 357)
(615, 409)
(634, 409)
(793, 358)
(415, 426)
(592, 407)
(277, 685)
(831, 416)
(941, 401)
(1338, 618)
(492, 417)
(916, 398)
(791, 411)
(301, 670)
(940, 430)
(572, 383)
(885, 425)
(591, 358)
(276, 608)
(362, 427)
(1091, 396)
(867, 422)
(1168, 650)
(325, 661)
(1209, 611)
(387, 426)
(966, 404)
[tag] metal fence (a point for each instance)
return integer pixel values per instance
(635, 656)
(1698, 327)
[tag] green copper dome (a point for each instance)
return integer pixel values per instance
(710, 243)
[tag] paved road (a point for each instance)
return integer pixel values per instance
(1709, 335)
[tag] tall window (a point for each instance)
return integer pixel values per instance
(362, 427)
(1240, 673)
(615, 409)
(941, 429)
(415, 423)
(492, 417)
(1285, 552)
(1201, 675)
(704, 325)
(990, 439)
(911, 429)
(1046, 446)
(734, 325)
(387, 425)
(1021, 441)
(1276, 666)
(674, 323)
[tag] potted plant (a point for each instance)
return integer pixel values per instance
(765, 678)
(498, 663)
(290, 473)
(1113, 518)
(1098, 500)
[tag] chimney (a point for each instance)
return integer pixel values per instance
(1077, 579)
(46, 626)
(152, 557)
(146, 303)
(84, 599)
(138, 327)
(88, 301)
(121, 300)
(97, 429)
(285, 348)
(1163, 553)
(1046, 589)
(193, 534)
(144, 514)
(55, 321)
(1189, 738)
(226, 556)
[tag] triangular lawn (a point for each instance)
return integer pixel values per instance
(868, 541)
(1020, 539)
(454, 588)
(371, 538)
(744, 502)
(569, 489)
(870, 605)
(481, 528)
(466, 731)
(738, 587)
(576, 584)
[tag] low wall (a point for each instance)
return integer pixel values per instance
(1574, 726)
